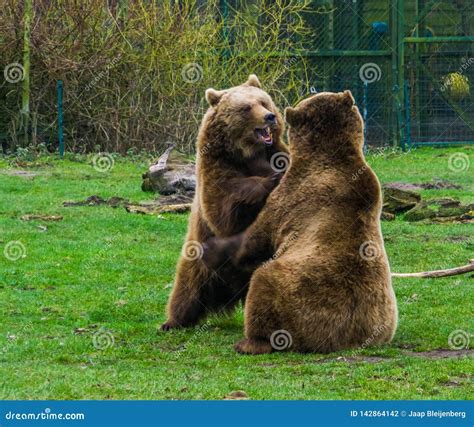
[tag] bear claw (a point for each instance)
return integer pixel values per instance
(167, 326)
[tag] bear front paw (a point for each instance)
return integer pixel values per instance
(167, 326)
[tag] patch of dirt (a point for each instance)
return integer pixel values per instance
(21, 173)
(435, 184)
(174, 203)
(87, 329)
(451, 383)
(432, 354)
(442, 353)
(440, 184)
(456, 239)
(403, 186)
(236, 395)
(41, 217)
(463, 219)
(98, 201)
(354, 359)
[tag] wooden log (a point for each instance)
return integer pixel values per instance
(157, 210)
(172, 173)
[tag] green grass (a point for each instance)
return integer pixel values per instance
(103, 268)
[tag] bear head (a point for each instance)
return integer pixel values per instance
(245, 116)
(326, 123)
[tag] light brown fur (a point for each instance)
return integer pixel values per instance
(234, 178)
(322, 285)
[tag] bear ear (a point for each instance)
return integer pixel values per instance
(253, 81)
(214, 96)
(347, 98)
(292, 116)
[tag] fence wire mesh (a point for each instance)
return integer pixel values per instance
(409, 64)
(439, 97)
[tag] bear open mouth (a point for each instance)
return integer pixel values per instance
(264, 135)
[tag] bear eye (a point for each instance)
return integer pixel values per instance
(246, 108)
(265, 105)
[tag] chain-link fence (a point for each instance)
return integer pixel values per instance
(439, 103)
(409, 64)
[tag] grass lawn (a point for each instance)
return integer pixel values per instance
(79, 311)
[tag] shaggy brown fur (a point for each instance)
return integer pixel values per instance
(239, 134)
(328, 284)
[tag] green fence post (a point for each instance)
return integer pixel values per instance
(364, 114)
(398, 64)
(59, 89)
(407, 140)
(401, 68)
(393, 65)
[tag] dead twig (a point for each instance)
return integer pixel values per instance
(440, 273)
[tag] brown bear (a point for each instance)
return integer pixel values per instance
(327, 286)
(240, 134)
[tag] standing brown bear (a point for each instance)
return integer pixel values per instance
(240, 134)
(328, 285)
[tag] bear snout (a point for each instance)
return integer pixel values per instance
(270, 118)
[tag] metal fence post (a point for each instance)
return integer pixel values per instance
(401, 66)
(59, 89)
(407, 127)
(364, 114)
(398, 64)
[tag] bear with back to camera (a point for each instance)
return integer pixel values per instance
(239, 135)
(325, 285)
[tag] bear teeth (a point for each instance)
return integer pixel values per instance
(263, 131)
(264, 134)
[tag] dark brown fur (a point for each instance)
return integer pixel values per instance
(234, 178)
(321, 285)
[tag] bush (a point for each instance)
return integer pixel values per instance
(135, 72)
